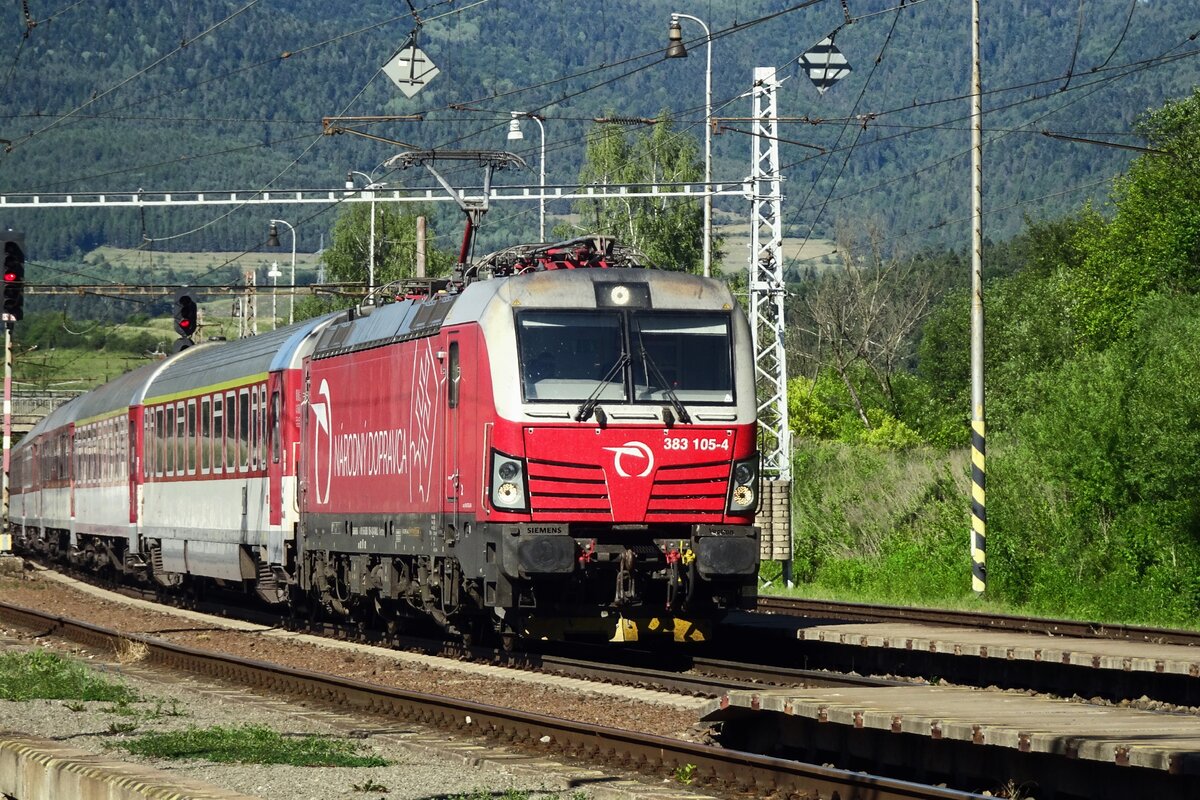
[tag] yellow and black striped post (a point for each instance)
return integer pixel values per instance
(978, 513)
(978, 508)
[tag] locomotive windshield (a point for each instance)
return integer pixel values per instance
(622, 357)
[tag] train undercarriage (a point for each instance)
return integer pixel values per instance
(619, 587)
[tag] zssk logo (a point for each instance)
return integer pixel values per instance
(323, 443)
(634, 451)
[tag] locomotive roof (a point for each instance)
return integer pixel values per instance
(415, 318)
(395, 322)
(576, 288)
(227, 363)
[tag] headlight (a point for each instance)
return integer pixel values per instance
(509, 484)
(743, 487)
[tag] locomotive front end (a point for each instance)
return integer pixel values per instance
(622, 468)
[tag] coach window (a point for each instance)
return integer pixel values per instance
(169, 435)
(191, 437)
(254, 427)
(231, 432)
(205, 434)
(159, 456)
(276, 447)
(218, 437)
(147, 467)
(262, 426)
(180, 439)
(160, 451)
(243, 429)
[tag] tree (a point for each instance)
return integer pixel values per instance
(669, 231)
(865, 315)
(348, 258)
(1152, 243)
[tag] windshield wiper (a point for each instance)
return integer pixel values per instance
(676, 403)
(588, 406)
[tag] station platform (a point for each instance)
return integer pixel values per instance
(32, 768)
(1096, 653)
(964, 736)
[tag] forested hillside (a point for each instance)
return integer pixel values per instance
(171, 95)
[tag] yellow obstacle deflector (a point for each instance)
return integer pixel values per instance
(617, 628)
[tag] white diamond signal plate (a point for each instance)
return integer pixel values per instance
(825, 64)
(410, 70)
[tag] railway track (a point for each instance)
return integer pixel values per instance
(756, 690)
(668, 671)
(981, 620)
(1115, 663)
(730, 772)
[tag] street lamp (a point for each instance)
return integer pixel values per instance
(514, 133)
(675, 49)
(273, 241)
(274, 276)
(371, 186)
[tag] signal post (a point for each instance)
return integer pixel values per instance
(185, 321)
(13, 310)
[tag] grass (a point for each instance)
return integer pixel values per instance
(185, 263)
(250, 744)
(41, 675)
(893, 528)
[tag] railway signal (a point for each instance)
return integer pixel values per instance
(185, 321)
(14, 277)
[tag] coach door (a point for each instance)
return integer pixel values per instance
(452, 461)
(69, 464)
(276, 455)
(134, 468)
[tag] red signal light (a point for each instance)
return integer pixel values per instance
(9, 277)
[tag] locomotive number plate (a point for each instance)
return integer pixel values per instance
(700, 443)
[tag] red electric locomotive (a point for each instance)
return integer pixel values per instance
(560, 443)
